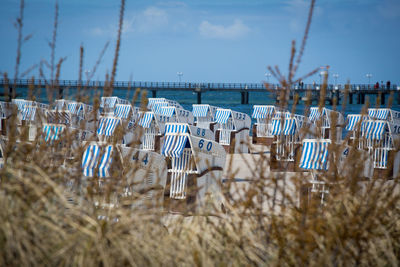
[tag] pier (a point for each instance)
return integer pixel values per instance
(353, 93)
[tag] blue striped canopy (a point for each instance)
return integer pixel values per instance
(374, 129)
(28, 113)
(90, 159)
(315, 154)
(74, 107)
(262, 112)
(174, 145)
(171, 128)
(122, 111)
(105, 162)
(222, 115)
(378, 113)
(352, 121)
(315, 114)
(289, 126)
(146, 119)
(107, 125)
(52, 132)
(200, 110)
(167, 111)
(22, 103)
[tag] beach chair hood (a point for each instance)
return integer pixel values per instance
(315, 154)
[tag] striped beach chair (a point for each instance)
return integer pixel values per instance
(314, 157)
(146, 177)
(262, 128)
(377, 138)
(173, 114)
(97, 158)
(148, 123)
(190, 158)
(107, 104)
(204, 115)
(354, 125)
(232, 123)
(322, 117)
(285, 131)
(106, 127)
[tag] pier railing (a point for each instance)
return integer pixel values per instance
(196, 86)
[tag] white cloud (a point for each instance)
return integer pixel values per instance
(149, 20)
(236, 30)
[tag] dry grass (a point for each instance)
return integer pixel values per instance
(49, 215)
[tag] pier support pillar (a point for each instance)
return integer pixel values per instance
(382, 99)
(351, 99)
(337, 97)
(198, 97)
(154, 93)
(244, 97)
(362, 99)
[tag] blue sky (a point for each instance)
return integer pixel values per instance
(209, 40)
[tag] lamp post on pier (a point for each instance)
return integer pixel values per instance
(335, 75)
(267, 75)
(180, 74)
(368, 75)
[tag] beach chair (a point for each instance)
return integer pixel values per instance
(353, 126)
(30, 117)
(204, 115)
(194, 170)
(232, 130)
(150, 136)
(107, 104)
(314, 157)
(323, 119)
(380, 139)
(262, 128)
(173, 114)
(286, 144)
(146, 177)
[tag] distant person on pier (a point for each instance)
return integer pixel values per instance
(376, 86)
(388, 85)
